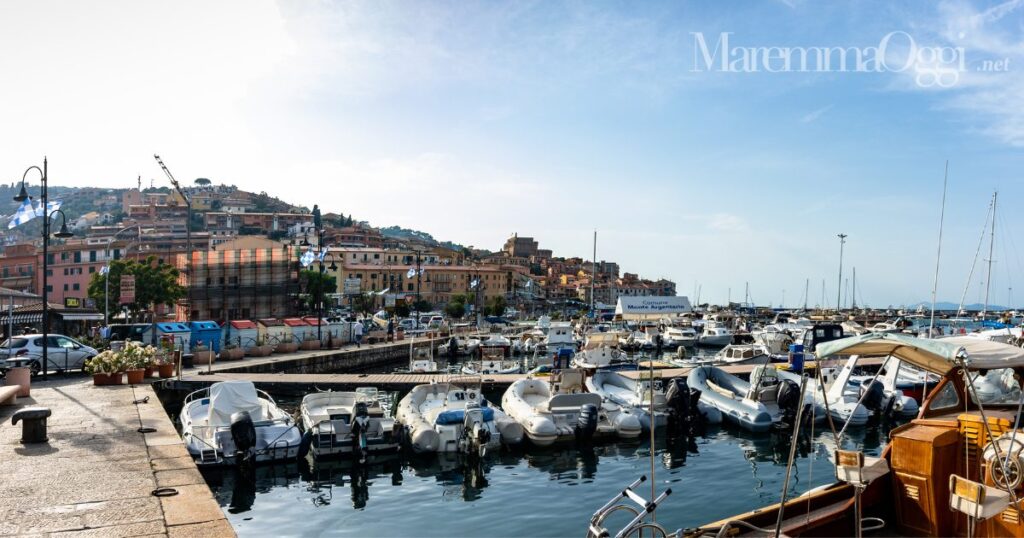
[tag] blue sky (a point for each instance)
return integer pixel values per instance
(475, 120)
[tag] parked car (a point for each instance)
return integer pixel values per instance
(63, 352)
(407, 324)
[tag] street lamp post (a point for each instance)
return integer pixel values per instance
(63, 233)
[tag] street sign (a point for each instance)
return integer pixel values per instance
(72, 302)
(127, 289)
(352, 285)
(389, 300)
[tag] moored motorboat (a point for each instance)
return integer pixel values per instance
(348, 424)
(448, 417)
(635, 394)
(232, 421)
(556, 410)
(714, 334)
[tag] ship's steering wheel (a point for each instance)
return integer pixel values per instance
(1013, 476)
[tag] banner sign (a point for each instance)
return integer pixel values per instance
(72, 302)
(127, 289)
(352, 286)
(651, 306)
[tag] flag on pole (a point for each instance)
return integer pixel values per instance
(322, 255)
(105, 269)
(50, 208)
(24, 214)
(307, 258)
(411, 273)
(474, 283)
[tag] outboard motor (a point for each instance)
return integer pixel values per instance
(787, 396)
(586, 424)
(243, 434)
(475, 434)
(358, 426)
(875, 394)
(684, 416)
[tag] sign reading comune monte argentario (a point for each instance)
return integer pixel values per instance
(651, 307)
(127, 289)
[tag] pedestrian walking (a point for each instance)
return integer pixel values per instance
(391, 329)
(358, 331)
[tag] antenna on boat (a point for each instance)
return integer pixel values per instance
(991, 243)
(938, 254)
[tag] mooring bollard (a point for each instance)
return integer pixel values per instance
(33, 428)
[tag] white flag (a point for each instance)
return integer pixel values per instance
(50, 207)
(24, 214)
(411, 273)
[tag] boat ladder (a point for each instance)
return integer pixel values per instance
(208, 455)
(637, 525)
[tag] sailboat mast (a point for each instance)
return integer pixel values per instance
(854, 305)
(938, 253)
(807, 289)
(991, 244)
(593, 275)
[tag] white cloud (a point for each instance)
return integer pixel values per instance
(813, 115)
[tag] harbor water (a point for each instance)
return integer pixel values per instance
(527, 491)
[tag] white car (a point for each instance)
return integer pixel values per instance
(63, 353)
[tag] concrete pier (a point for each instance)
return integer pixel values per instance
(96, 474)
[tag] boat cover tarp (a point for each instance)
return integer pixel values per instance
(456, 416)
(228, 397)
(938, 356)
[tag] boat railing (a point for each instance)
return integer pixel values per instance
(637, 525)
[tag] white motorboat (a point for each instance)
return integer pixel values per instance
(600, 351)
(421, 361)
(492, 362)
(774, 338)
(842, 409)
(560, 335)
(743, 354)
(496, 341)
(445, 417)
(846, 390)
(348, 424)
(458, 345)
(632, 393)
(556, 410)
(231, 420)
(674, 337)
(714, 334)
(757, 405)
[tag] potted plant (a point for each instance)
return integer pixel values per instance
(136, 358)
(309, 344)
(102, 368)
(231, 352)
(202, 354)
(259, 349)
(165, 365)
(286, 345)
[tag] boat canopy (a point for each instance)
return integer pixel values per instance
(938, 356)
(229, 397)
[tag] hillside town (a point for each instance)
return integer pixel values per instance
(239, 257)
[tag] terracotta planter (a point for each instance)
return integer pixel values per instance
(136, 376)
(150, 371)
(203, 357)
(309, 345)
(286, 347)
(115, 378)
(400, 335)
(259, 351)
(100, 379)
(166, 370)
(232, 354)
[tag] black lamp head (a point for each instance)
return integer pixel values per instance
(64, 233)
(23, 195)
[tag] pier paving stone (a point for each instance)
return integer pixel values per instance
(95, 475)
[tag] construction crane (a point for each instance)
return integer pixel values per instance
(188, 231)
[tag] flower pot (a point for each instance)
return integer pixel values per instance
(166, 370)
(400, 335)
(150, 370)
(259, 351)
(232, 354)
(100, 379)
(115, 378)
(136, 376)
(203, 357)
(309, 345)
(286, 347)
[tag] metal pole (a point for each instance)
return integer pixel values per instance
(991, 243)
(593, 276)
(188, 263)
(839, 292)
(46, 294)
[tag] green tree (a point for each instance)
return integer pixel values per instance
(401, 309)
(202, 181)
(317, 285)
(496, 306)
(422, 305)
(155, 283)
(456, 307)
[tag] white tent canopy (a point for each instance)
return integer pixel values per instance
(644, 308)
(228, 397)
(938, 356)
